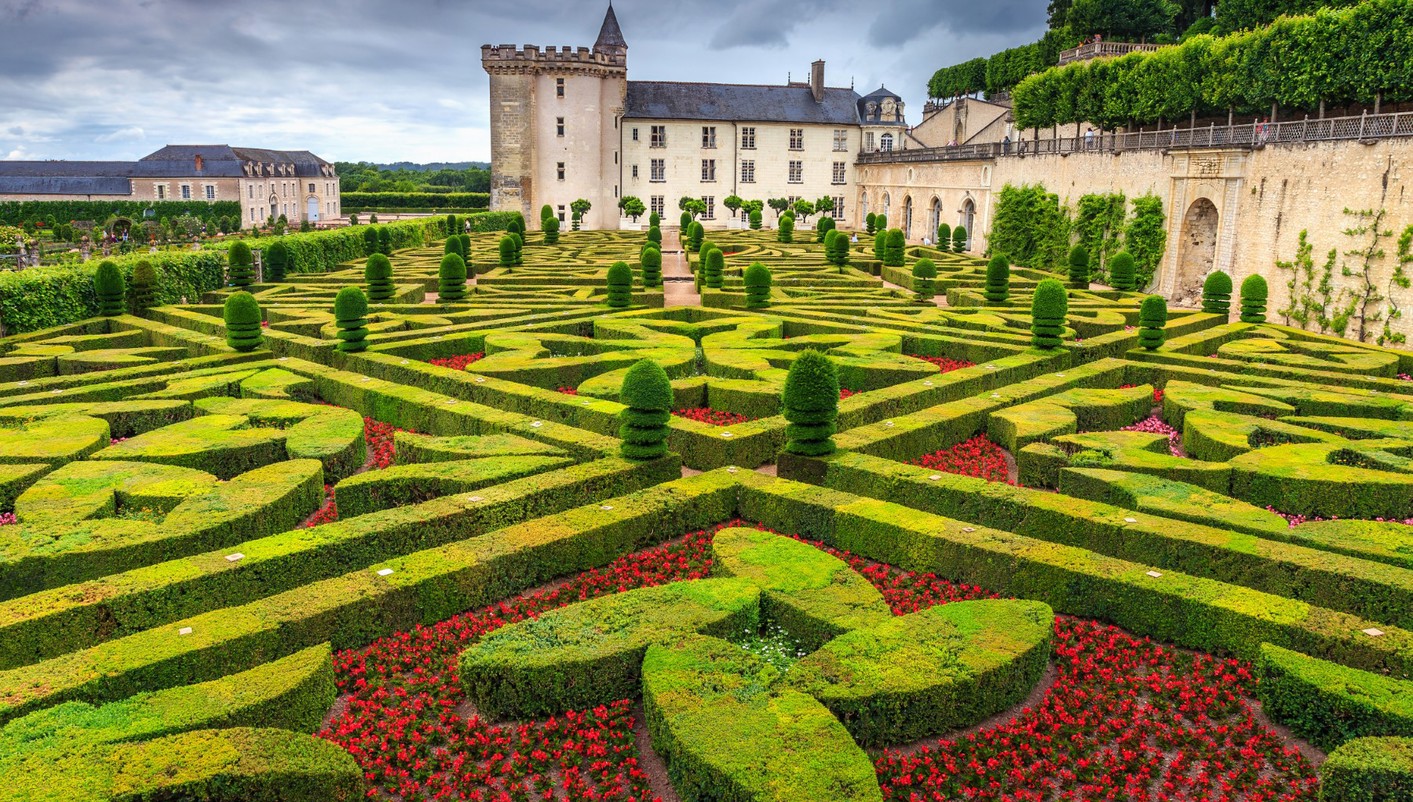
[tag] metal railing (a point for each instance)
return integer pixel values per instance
(1244, 135)
(1091, 50)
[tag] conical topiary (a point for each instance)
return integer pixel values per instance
(276, 261)
(546, 213)
(242, 316)
(507, 251)
(715, 262)
(370, 240)
(1121, 272)
(647, 396)
(944, 237)
(620, 285)
(1048, 310)
(1079, 268)
(1152, 319)
(893, 248)
(110, 288)
(1253, 300)
(351, 317)
(451, 279)
(811, 405)
(924, 280)
(378, 275)
(757, 278)
(242, 265)
(998, 280)
(786, 231)
(142, 295)
(1216, 294)
(551, 229)
(651, 264)
(959, 239)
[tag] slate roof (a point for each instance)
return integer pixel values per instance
(64, 178)
(674, 100)
(173, 161)
(610, 35)
(223, 161)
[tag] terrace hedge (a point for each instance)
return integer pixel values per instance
(1329, 704)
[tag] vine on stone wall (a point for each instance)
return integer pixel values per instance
(1364, 297)
(1031, 228)
(1099, 221)
(1310, 290)
(1146, 237)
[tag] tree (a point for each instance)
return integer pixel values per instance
(351, 318)
(714, 263)
(1216, 294)
(1121, 272)
(276, 261)
(551, 229)
(1079, 268)
(804, 209)
(647, 398)
(824, 205)
(757, 279)
(998, 280)
(242, 265)
(142, 295)
(620, 285)
(944, 237)
(370, 240)
(110, 288)
(453, 245)
(894, 245)
(924, 280)
(1152, 318)
(377, 273)
(692, 206)
(1125, 20)
(787, 229)
(242, 317)
(651, 263)
(451, 279)
(578, 209)
(779, 205)
(385, 241)
(870, 223)
(733, 204)
(755, 219)
(1048, 309)
(1253, 300)
(811, 405)
(959, 239)
(506, 250)
(632, 207)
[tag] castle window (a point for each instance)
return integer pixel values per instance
(559, 90)
(797, 139)
(709, 136)
(748, 138)
(635, 172)
(885, 143)
(841, 140)
(559, 167)
(797, 172)
(186, 191)
(839, 172)
(559, 126)
(710, 201)
(161, 191)
(311, 189)
(659, 136)
(635, 135)
(838, 213)
(748, 171)
(868, 142)
(210, 192)
(657, 170)
(656, 205)
(561, 213)
(708, 170)
(252, 191)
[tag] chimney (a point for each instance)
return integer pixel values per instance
(199, 163)
(817, 80)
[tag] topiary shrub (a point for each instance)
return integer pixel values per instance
(822, 228)
(832, 252)
(452, 225)
(1216, 294)
(242, 265)
(880, 243)
(894, 245)
(452, 245)
(546, 213)
(507, 251)
(1048, 310)
(685, 222)
(351, 317)
(924, 280)
(1152, 318)
(756, 219)
(620, 285)
(651, 264)
(944, 237)
(370, 240)
(757, 278)
(1253, 300)
(786, 232)
(695, 237)
(463, 247)
(242, 316)
(377, 273)
(811, 404)
(881, 222)
(654, 220)
(647, 394)
(998, 280)
(871, 223)
(1121, 272)
(451, 279)
(110, 288)
(655, 236)
(550, 225)
(276, 261)
(519, 237)
(142, 295)
(714, 264)
(1079, 268)
(959, 239)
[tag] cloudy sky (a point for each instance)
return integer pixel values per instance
(393, 80)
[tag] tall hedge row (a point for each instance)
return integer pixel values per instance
(355, 201)
(16, 212)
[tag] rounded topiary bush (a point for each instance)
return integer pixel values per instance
(811, 405)
(242, 316)
(822, 228)
(378, 275)
(715, 265)
(370, 240)
(959, 239)
(276, 260)
(1216, 294)
(351, 317)
(452, 225)
(998, 280)
(1079, 268)
(1122, 272)
(550, 225)
(242, 265)
(620, 285)
(924, 280)
(654, 220)
(451, 279)
(881, 222)
(757, 279)
(452, 245)
(685, 222)
(507, 250)
(1048, 309)
(655, 236)
(1152, 319)
(871, 223)
(836, 248)
(944, 237)
(651, 263)
(893, 247)
(110, 288)
(463, 242)
(647, 394)
(142, 296)
(519, 238)
(1253, 300)
(880, 244)
(698, 232)
(786, 233)
(385, 241)
(756, 219)
(546, 213)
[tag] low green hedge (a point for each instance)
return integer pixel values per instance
(400, 485)
(1369, 770)
(411, 447)
(1329, 704)
(67, 211)
(357, 201)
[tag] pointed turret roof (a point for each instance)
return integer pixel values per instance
(610, 35)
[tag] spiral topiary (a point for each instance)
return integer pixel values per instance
(959, 239)
(242, 265)
(811, 405)
(1079, 268)
(786, 232)
(1121, 272)
(276, 261)
(655, 236)
(620, 285)
(451, 279)
(378, 275)
(1216, 294)
(647, 394)
(893, 247)
(698, 232)
(351, 317)
(757, 278)
(998, 280)
(944, 237)
(715, 265)
(871, 223)
(1048, 310)
(1152, 318)
(519, 237)
(1253, 300)
(242, 316)
(924, 280)
(385, 241)
(370, 240)
(550, 225)
(142, 295)
(110, 288)
(756, 219)
(651, 264)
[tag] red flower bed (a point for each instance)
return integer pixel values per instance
(714, 417)
(1154, 424)
(976, 457)
(567, 390)
(845, 392)
(378, 440)
(458, 362)
(944, 364)
(1157, 393)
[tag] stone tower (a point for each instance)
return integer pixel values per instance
(554, 125)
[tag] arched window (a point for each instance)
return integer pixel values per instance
(886, 143)
(863, 204)
(887, 203)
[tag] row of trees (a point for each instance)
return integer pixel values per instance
(367, 177)
(632, 206)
